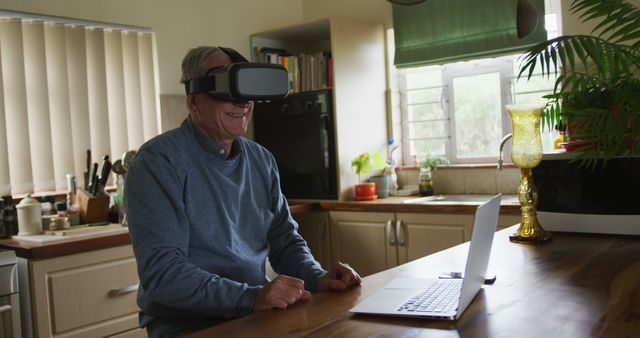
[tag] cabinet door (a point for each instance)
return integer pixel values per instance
(364, 240)
(424, 234)
(505, 221)
(314, 228)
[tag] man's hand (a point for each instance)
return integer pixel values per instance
(339, 277)
(280, 293)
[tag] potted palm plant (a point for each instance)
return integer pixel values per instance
(364, 163)
(596, 92)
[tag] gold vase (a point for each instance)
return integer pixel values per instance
(526, 154)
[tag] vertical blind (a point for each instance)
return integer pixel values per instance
(443, 31)
(67, 87)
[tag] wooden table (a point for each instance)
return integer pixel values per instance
(579, 285)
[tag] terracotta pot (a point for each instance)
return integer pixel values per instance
(366, 191)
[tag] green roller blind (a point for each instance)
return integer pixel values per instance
(442, 31)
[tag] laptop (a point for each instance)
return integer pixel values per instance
(441, 298)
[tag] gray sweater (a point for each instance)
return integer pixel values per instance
(202, 227)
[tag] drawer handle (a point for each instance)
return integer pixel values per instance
(5, 308)
(400, 233)
(123, 291)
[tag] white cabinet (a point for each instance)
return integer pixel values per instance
(359, 83)
(91, 294)
(314, 228)
(364, 240)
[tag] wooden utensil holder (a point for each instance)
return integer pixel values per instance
(93, 208)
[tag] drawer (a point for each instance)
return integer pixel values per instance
(92, 294)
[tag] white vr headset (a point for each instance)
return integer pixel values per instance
(242, 80)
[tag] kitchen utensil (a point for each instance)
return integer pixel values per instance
(94, 178)
(127, 157)
(86, 174)
(118, 168)
(104, 175)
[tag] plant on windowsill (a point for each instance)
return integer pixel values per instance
(427, 166)
(364, 163)
(596, 93)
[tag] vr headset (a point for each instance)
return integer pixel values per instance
(242, 80)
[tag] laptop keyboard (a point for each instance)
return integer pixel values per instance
(442, 297)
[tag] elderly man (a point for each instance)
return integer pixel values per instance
(205, 211)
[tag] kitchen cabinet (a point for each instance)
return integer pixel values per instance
(89, 294)
(314, 228)
(359, 83)
(374, 241)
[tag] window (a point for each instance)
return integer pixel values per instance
(457, 110)
(68, 86)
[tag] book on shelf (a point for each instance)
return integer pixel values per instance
(306, 71)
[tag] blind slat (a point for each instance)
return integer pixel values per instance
(58, 88)
(133, 99)
(97, 91)
(151, 122)
(116, 92)
(15, 101)
(78, 97)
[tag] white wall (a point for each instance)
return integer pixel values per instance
(179, 25)
(375, 11)
(572, 25)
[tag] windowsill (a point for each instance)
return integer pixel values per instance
(460, 166)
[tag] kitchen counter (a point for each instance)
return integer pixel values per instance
(37, 250)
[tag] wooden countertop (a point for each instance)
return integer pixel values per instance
(36, 250)
(578, 285)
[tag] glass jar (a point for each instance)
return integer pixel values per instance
(425, 184)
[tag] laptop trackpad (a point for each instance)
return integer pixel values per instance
(391, 296)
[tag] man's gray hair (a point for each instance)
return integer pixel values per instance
(194, 64)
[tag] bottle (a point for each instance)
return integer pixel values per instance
(425, 185)
(10, 215)
(560, 139)
(5, 232)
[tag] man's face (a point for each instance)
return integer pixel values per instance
(222, 120)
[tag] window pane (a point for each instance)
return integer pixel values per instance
(478, 122)
(424, 95)
(423, 112)
(536, 82)
(422, 77)
(423, 147)
(531, 98)
(428, 129)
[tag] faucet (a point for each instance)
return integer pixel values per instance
(502, 142)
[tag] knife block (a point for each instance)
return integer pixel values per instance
(93, 208)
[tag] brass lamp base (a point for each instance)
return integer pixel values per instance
(530, 230)
(528, 233)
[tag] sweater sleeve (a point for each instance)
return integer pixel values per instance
(289, 253)
(159, 231)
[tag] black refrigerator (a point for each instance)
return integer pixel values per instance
(299, 131)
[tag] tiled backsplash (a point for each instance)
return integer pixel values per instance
(475, 181)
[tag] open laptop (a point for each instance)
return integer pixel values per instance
(441, 298)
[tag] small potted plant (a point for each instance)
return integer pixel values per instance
(427, 166)
(364, 163)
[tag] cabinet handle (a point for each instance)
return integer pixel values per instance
(123, 291)
(5, 308)
(400, 233)
(392, 240)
